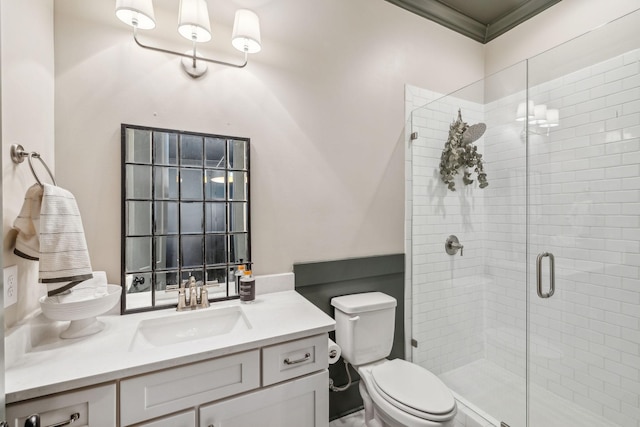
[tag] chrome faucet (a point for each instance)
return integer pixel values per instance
(182, 299)
(193, 293)
(204, 296)
(197, 297)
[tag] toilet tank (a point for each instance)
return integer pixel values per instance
(365, 324)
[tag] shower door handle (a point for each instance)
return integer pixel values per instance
(552, 274)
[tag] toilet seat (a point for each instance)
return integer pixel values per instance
(412, 389)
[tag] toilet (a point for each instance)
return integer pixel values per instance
(396, 393)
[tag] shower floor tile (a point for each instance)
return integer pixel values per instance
(501, 394)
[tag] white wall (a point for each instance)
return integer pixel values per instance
(27, 119)
(564, 21)
(322, 103)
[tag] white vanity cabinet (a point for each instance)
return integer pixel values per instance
(272, 373)
(159, 393)
(303, 402)
(281, 385)
(95, 407)
(187, 419)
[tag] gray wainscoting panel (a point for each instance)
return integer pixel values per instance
(321, 281)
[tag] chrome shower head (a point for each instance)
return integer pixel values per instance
(474, 132)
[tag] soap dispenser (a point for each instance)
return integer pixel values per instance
(238, 275)
(247, 288)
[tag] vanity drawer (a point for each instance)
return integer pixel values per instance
(95, 406)
(172, 390)
(294, 358)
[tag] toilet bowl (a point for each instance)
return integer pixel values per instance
(402, 394)
(396, 393)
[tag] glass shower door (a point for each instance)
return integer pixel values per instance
(584, 230)
(469, 306)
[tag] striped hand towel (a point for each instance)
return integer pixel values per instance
(54, 235)
(28, 225)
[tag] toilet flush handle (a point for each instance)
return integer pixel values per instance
(354, 319)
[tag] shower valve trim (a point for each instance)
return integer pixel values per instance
(452, 245)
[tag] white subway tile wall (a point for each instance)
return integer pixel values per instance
(584, 207)
(415, 98)
(448, 297)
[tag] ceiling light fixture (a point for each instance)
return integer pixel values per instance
(194, 25)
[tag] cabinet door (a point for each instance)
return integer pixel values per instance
(95, 406)
(187, 419)
(165, 392)
(303, 402)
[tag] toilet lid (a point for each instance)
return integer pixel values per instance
(413, 386)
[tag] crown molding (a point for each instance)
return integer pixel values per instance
(446, 16)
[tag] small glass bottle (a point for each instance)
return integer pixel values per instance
(238, 275)
(247, 288)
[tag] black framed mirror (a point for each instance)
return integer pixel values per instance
(185, 212)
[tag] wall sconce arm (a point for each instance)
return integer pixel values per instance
(193, 25)
(191, 56)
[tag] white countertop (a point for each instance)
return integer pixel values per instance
(40, 363)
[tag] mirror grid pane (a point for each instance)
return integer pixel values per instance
(185, 214)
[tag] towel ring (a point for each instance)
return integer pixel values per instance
(18, 154)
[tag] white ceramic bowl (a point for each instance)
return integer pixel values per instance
(82, 314)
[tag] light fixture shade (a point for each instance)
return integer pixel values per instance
(137, 13)
(246, 31)
(553, 118)
(523, 108)
(193, 23)
(540, 113)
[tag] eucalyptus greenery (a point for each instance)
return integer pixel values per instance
(460, 152)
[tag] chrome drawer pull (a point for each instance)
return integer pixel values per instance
(74, 417)
(306, 357)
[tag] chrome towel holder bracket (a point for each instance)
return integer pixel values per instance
(18, 154)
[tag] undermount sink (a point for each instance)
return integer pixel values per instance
(189, 326)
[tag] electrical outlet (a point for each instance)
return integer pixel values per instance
(10, 285)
